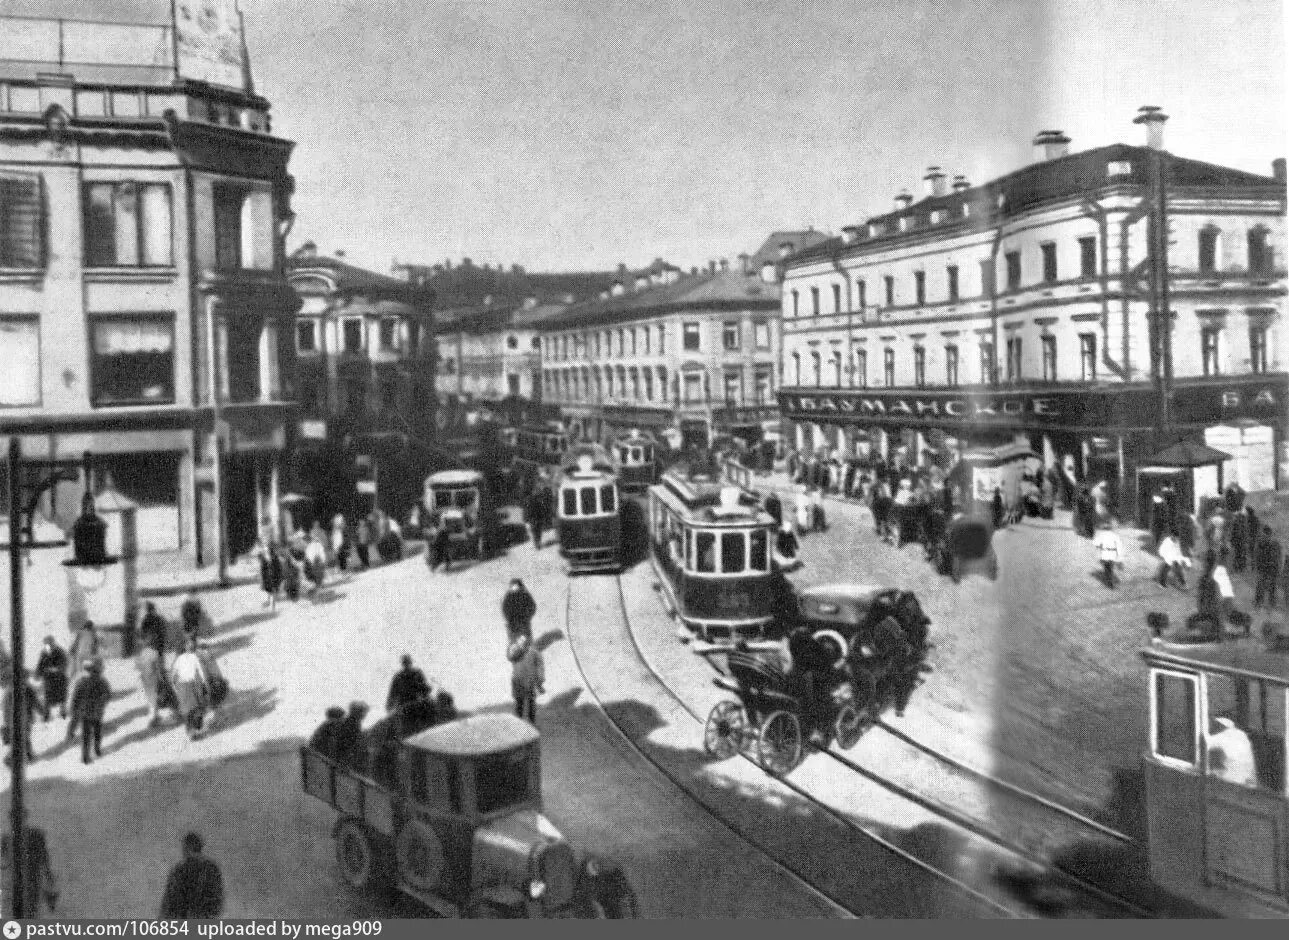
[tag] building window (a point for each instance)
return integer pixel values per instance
(987, 362)
(22, 221)
(834, 365)
(952, 277)
(622, 343)
(890, 290)
(128, 225)
(512, 383)
(761, 335)
(229, 237)
(389, 334)
(133, 361)
(733, 387)
(796, 369)
(951, 365)
(1088, 256)
(1013, 269)
(306, 336)
(817, 368)
(692, 336)
(796, 303)
(730, 336)
(351, 335)
(693, 388)
(449, 366)
(648, 381)
(763, 390)
(1259, 252)
(1013, 358)
(646, 336)
(1049, 262)
(919, 366)
(1049, 358)
(512, 342)
(888, 367)
(861, 368)
(1208, 249)
(814, 301)
(536, 344)
(987, 278)
(861, 293)
(1088, 356)
(919, 287)
(1211, 348)
(662, 341)
(19, 361)
(836, 298)
(1258, 348)
(597, 346)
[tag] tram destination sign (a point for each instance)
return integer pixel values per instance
(1124, 406)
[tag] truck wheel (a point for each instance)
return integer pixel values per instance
(356, 855)
(419, 855)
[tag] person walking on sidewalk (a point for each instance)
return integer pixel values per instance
(152, 679)
(84, 648)
(1171, 561)
(518, 608)
(818, 521)
(154, 630)
(362, 542)
(195, 888)
(40, 882)
(340, 542)
(527, 677)
(408, 686)
(1267, 558)
(89, 704)
(270, 573)
(51, 668)
(535, 513)
(188, 679)
(1110, 547)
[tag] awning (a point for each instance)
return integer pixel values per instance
(1188, 454)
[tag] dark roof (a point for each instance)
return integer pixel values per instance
(1188, 454)
(468, 285)
(351, 279)
(1039, 183)
(721, 290)
(769, 250)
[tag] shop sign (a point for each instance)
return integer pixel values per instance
(966, 409)
(752, 414)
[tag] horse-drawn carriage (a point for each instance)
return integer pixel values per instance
(854, 652)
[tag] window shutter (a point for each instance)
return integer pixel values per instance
(22, 221)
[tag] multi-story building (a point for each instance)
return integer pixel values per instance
(1026, 306)
(693, 354)
(144, 312)
(364, 346)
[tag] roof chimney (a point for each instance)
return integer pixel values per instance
(769, 272)
(903, 200)
(1278, 169)
(622, 268)
(785, 249)
(849, 234)
(725, 264)
(960, 183)
(1049, 145)
(618, 289)
(340, 252)
(934, 181)
(1154, 118)
(642, 281)
(743, 265)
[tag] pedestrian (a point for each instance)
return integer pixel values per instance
(774, 508)
(188, 678)
(1215, 533)
(1208, 595)
(801, 508)
(270, 573)
(999, 511)
(193, 617)
(216, 684)
(1241, 541)
(408, 686)
(340, 542)
(535, 513)
(51, 668)
(325, 736)
(152, 679)
(1225, 590)
(1234, 497)
(1171, 561)
(518, 608)
(1110, 547)
(527, 676)
(362, 543)
(290, 573)
(315, 559)
(84, 647)
(1267, 558)
(89, 704)
(153, 630)
(351, 742)
(440, 545)
(195, 888)
(818, 521)
(40, 882)
(787, 549)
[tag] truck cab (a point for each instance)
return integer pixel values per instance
(458, 826)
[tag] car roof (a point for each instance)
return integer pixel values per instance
(476, 735)
(842, 592)
(454, 478)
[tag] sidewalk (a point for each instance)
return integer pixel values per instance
(166, 574)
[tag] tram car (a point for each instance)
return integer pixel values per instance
(457, 501)
(710, 544)
(636, 454)
(1217, 807)
(588, 510)
(541, 448)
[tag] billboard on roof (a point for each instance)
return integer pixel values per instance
(208, 40)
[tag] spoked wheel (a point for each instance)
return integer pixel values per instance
(848, 727)
(726, 730)
(779, 747)
(356, 855)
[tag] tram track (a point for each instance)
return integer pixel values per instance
(832, 878)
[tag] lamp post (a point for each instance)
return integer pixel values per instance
(89, 554)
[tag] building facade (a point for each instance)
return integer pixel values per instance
(365, 362)
(1029, 307)
(145, 315)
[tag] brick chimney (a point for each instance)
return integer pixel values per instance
(960, 183)
(934, 181)
(618, 289)
(849, 234)
(1050, 145)
(1154, 118)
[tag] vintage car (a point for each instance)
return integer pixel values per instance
(963, 544)
(457, 824)
(458, 503)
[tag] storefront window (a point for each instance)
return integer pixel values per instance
(133, 361)
(19, 361)
(1013, 358)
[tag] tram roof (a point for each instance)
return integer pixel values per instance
(706, 508)
(454, 478)
(1251, 658)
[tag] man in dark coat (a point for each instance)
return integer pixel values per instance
(153, 629)
(1267, 557)
(1242, 538)
(324, 737)
(52, 670)
(195, 888)
(89, 703)
(39, 881)
(409, 686)
(518, 608)
(535, 513)
(774, 507)
(351, 742)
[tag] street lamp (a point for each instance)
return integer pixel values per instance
(89, 540)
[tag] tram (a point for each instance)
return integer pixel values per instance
(1217, 807)
(710, 543)
(636, 454)
(588, 510)
(540, 448)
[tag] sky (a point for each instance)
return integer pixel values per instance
(567, 135)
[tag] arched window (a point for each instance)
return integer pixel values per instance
(1260, 251)
(836, 368)
(796, 368)
(1209, 248)
(860, 378)
(608, 383)
(817, 368)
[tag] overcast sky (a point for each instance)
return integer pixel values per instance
(573, 135)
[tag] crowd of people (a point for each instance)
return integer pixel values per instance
(298, 565)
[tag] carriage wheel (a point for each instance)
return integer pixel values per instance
(847, 727)
(725, 731)
(357, 855)
(779, 747)
(836, 644)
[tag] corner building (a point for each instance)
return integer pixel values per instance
(1023, 308)
(144, 312)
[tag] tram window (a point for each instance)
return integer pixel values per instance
(608, 499)
(570, 502)
(733, 553)
(464, 499)
(624, 454)
(588, 500)
(706, 554)
(1174, 731)
(760, 543)
(1246, 732)
(637, 455)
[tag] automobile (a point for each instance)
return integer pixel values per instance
(455, 822)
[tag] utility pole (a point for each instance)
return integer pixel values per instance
(18, 726)
(1161, 315)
